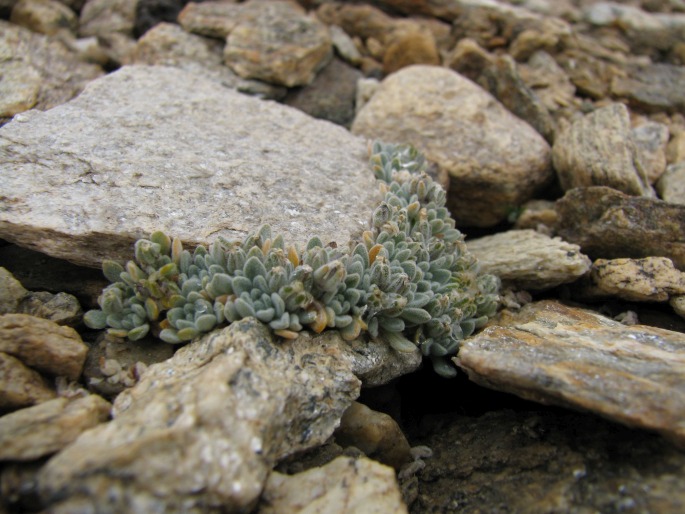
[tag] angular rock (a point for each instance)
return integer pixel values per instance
(671, 185)
(652, 88)
(38, 72)
(554, 354)
(48, 17)
(526, 259)
(201, 431)
(608, 224)
(675, 151)
(659, 31)
(344, 45)
(469, 59)
(344, 485)
(503, 81)
(546, 460)
(495, 161)
(62, 308)
(331, 96)
(11, 292)
(112, 22)
(211, 19)
(374, 433)
(43, 344)
(186, 156)
(652, 279)
(44, 429)
(548, 80)
(279, 44)
(21, 386)
(168, 44)
(597, 150)
(650, 141)
(538, 215)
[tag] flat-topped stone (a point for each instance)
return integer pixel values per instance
(155, 148)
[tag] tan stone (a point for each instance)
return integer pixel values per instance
(343, 486)
(495, 161)
(21, 386)
(11, 292)
(652, 279)
(48, 17)
(412, 47)
(675, 151)
(43, 344)
(555, 354)
(374, 433)
(527, 259)
(43, 429)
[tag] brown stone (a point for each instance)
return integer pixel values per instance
(43, 344)
(608, 224)
(21, 386)
(554, 354)
(412, 47)
(48, 17)
(43, 429)
(374, 433)
(11, 292)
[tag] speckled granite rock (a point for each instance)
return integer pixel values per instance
(182, 154)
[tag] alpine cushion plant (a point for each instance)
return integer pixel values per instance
(410, 280)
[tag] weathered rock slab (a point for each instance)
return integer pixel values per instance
(527, 259)
(43, 344)
(597, 150)
(21, 386)
(495, 161)
(44, 429)
(343, 486)
(201, 431)
(608, 224)
(560, 355)
(154, 148)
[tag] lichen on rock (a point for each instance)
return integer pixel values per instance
(410, 281)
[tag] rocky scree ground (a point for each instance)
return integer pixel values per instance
(558, 130)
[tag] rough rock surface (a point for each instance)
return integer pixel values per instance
(654, 87)
(44, 429)
(62, 308)
(38, 72)
(44, 16)
(608, 224)
(201, 431)
(546, 461)
(21, 386)
(671, 185)
(652, 279)
(168, 44)
(650, 140)
(495, 161)
(150, 173)
(527, 259)
(43, 344)
(555, 354)
(598, 151)
(11, 292)
(343, 486)
(279, 44)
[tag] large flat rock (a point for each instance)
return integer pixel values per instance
(156, 148)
